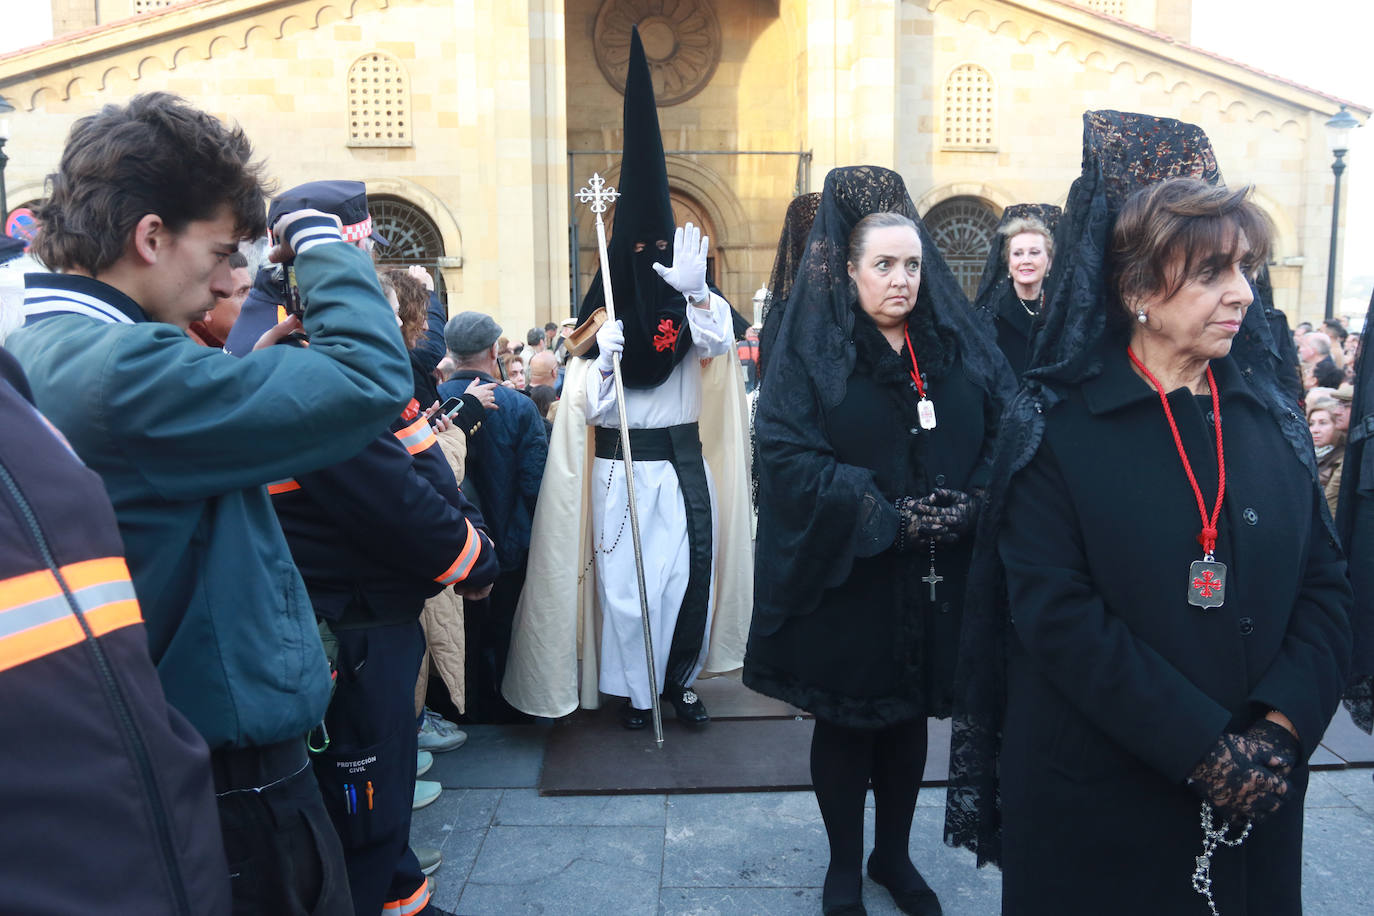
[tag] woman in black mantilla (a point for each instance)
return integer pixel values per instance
(874, 421)
(1173, 635)
(1027, 254)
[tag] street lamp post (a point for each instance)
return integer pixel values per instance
(1338, 139)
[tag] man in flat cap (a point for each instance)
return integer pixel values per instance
(505, 465)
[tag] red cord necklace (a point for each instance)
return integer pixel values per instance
(1206, 577)
(925, 408)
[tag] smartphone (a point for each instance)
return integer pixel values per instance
(501, 368)
(450, 407)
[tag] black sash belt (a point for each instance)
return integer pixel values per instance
(680, 445)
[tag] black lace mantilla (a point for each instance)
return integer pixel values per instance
(796, 228)
(993, 284)
(812, 358)
(1122, 152)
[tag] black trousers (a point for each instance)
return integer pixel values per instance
(284, 856)
(367, 774)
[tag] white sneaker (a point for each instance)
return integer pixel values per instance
(423, 761)
(438, 734)
(426, 793)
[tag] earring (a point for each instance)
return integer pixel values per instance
(1140, 315)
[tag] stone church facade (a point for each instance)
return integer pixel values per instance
(474, 122)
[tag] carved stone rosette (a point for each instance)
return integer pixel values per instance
(681, 41)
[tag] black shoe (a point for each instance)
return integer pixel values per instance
(915, 898)
(688, 706)
(844, 909)
(633, 719)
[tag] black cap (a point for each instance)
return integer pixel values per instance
(345, 199)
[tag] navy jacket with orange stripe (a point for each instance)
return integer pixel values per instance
(105, 789)
(376, 535)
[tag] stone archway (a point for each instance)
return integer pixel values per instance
(962, 228)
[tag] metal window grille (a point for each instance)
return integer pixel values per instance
(1115, 8)
(963, 227)
(148, 6)
(411, 235)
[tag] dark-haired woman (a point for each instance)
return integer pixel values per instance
(1028, 250)
(1178, 606)
(871, 451)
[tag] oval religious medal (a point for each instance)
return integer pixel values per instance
(925, 413)
(1206, 583)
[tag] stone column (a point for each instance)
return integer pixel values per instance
(513, 132)
(852, 79)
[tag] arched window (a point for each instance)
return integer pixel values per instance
(378, 102)
(413, 236)
(1115, 8)
(969, 108)
(963, 228)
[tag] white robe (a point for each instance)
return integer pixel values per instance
(662, 517)
(554, 662)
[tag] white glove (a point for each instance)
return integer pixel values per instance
(610, 340)
(688, 273)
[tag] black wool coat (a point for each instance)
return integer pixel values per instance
(875, 650)
(1014, 331)
(1117, 686)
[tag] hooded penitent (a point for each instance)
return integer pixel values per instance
(1122, 152)
(654, 314)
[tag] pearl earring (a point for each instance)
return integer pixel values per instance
(1140, 315)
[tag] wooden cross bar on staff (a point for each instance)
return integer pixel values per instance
(598, 195)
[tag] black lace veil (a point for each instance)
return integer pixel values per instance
(817, 327)
(994, 282)
(1122, 152)
(796, 228)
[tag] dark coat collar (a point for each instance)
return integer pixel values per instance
(1118, 386)
(1013, 312)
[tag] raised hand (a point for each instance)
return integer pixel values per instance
(688, 273)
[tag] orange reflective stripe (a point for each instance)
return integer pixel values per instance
(36, 617)
(412, 904)
(466, 559)
(282, 486)
(417, 437)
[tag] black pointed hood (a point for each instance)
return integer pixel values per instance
(654, 314)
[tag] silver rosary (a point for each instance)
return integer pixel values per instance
(1212, 837)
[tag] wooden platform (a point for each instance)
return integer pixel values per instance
(755, 743)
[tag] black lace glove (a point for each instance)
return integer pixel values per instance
(1232, 777)
(1274, 746)
(944, 516)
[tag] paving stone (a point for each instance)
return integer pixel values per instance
(744, 840)
(494, 757)
(1322, 792)
(456, 825)
(566, 870)
(1337, 862)
(525, 807)
(732, 901)
(1357, 785)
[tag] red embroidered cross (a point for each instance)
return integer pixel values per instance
(1207, 584)
(666, 336)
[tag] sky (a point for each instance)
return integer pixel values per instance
(1326, 46)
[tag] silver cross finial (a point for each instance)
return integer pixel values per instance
(599, 195)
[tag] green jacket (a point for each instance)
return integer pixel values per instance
(185, 438)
